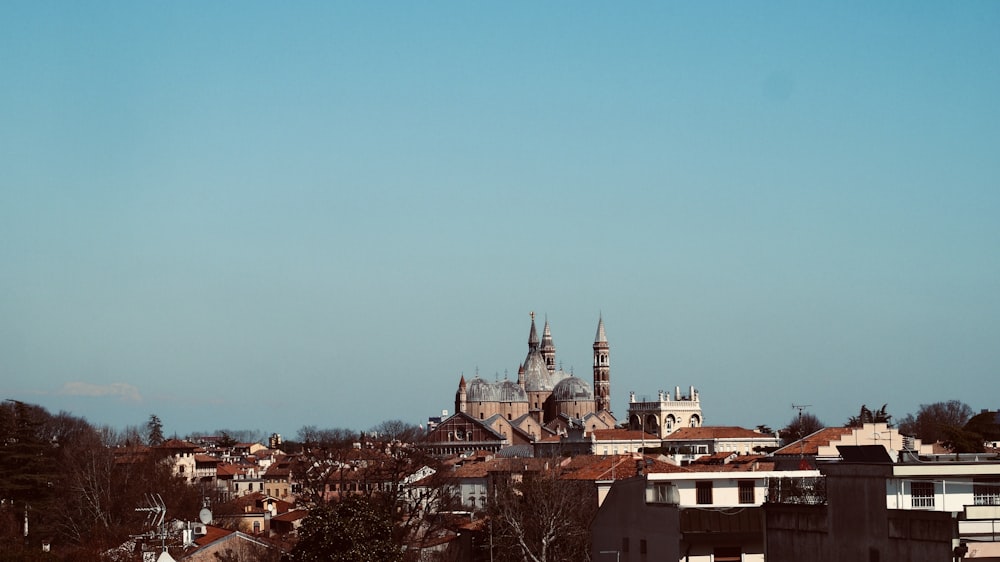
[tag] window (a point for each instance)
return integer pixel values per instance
(727, 554)
(661, 492)
(922, 494)
(746, 491)
(642, 546)
(624, 544)
(986, 492)
(704, 490)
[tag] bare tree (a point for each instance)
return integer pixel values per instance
(338, 437)
(936, 422)
(800, 426)
(542, 518)
(396, 430)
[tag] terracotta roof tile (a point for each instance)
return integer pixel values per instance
(614, 467)
(212, 534)
(622, 435)
(716, 432)
(810, 444)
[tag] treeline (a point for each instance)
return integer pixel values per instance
(950, 423)
(76, 487)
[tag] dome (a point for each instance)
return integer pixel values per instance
(537, 377)
(572, 389)
(509, 391)
(478, 390)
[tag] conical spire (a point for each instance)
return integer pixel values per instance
(601, 336)
(533, 336)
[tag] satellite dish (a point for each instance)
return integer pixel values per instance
(205, 515)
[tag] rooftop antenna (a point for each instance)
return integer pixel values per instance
(157, 514)
(802, 444)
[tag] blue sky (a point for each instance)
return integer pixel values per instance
(246, 215)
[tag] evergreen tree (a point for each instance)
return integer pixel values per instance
(355, 529)
(154, 430)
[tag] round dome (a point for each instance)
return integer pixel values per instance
(478, 390)
(572, 389)
(509, 391)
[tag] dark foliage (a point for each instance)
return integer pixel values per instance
(800, 426)
(356, 529)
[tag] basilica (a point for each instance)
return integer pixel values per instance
(542, 392)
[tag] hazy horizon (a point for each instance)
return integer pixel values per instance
(262, 217)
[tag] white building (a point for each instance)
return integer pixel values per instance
(664, 415)
(696, 516)
(970, 490)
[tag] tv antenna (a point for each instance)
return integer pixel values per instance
(156, 516)
(802, 444)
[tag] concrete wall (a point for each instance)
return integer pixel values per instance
(856, 525)
(625, 520)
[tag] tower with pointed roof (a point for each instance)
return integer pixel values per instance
(542, 392)
(548, 348)
(461, 396)
(602, 369)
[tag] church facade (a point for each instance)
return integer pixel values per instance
(541, 391)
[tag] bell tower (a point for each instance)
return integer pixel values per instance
(602, 369)
(548, 348)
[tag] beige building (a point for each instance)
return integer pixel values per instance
(541, 391)
(665, 414)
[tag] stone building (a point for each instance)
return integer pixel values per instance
(542, 391)
(663, 416)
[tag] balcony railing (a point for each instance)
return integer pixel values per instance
(802, 491)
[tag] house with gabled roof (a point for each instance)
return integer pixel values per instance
(181, 455)
(462, 433)
(689, 443)
(604, 471)
(822, 445)
(221, 544)
(521, 431)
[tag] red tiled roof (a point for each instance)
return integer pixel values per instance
(810, 444)
(741, 463)
(212, 534)
(470, 470)
(716, 432)
(290, 516)
(177, 444)
(615, 467)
